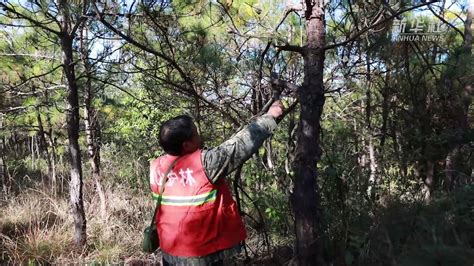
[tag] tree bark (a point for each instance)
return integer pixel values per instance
(291, 143)
(428, 182)
(373, 178)
(5, 178)
(450, 169)
(467, 45)
(43, 147)
(269, 155)
(92, 127)
(75, 183)
(52, 145)
(3, 166)
(306, 198)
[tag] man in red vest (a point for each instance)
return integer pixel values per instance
(198, 221)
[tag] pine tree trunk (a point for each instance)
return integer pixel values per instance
(306, 198)
(290, 145)
(93, 150)
(92, 126)
(368, 129)
(3, 169)
(52, 153)
(269, 155)
(467, 45)
(43, 145)
(72, 120)
(3, 172)
(373, 178)
(428, 181)
(450, 170)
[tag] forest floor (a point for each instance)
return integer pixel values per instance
(36, 227)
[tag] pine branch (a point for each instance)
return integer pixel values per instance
(33, 21)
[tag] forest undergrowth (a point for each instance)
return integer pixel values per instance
(35, 228)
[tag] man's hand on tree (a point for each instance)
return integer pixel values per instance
(276, 110)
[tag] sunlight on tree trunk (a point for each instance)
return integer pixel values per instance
(92, 125)
(306, 198)
(52, 144)
(76, 182)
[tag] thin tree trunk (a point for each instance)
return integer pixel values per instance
(3, 169)
(43, 146)
(76, 182)
(368, 127)
(52, 145)
(93, 150)
(306, 198)
(373, 181)
(467, 45)
(428, 182)
(92, 127)
(32, 151)
(450, 171)
(254, 101)
(269, 155)
(385, 107)
(290, 146)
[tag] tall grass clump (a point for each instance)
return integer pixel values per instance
(37, 228)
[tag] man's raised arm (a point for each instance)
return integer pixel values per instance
(225, 158)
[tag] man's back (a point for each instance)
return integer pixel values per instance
(196, 217)
(219, 223)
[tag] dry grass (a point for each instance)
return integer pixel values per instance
(37, 228)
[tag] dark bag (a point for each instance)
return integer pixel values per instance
(151, 241)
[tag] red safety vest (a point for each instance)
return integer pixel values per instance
(196, 217)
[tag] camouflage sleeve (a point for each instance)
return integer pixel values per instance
(225, 158)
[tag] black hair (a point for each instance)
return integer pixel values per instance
(174, 132)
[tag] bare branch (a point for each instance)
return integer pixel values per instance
(78, 24)
(291, 48)
(32, 55)
(193, 93)
(120, 88)
(13, 109)
(446, 22)
(38, 76)
(224, 8)
(288, 10)
(285, 84)
(41, 91)
(132, 41)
